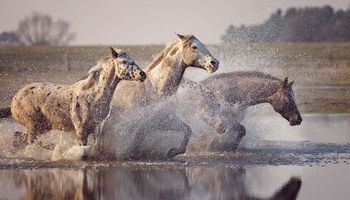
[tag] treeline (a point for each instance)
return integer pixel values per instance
(310, 24)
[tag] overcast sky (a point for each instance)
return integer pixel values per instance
(150, 21)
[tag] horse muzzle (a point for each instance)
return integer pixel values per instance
(213, 66)
(143, 76)
(294, 121)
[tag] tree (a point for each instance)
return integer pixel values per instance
(40, 29)
(9, 38)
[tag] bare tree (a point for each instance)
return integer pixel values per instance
(40, 29)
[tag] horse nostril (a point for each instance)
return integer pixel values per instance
(296, 121)
(300, 120)
(142, 74)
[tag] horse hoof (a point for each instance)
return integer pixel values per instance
(172, 152)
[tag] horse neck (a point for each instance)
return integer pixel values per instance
(260, 90)
(106, 83)
(166, 76)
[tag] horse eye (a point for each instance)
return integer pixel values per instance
(194, 47)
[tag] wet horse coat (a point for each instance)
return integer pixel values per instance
(236, 91)
(164, 75)
(82, 106)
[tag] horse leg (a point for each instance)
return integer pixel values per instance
(164, 121)
(38, 130)
(81, 128)
(97, 148)
(230, 140)
(20, 140)
(99, 137)
(241, 132)
(35, 123)
(178, 125)
(82, 137)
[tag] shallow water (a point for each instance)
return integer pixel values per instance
(275, 161)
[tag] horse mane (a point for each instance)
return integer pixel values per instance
(165, 52)
(94, 73)
(248, 74)
(160, 56)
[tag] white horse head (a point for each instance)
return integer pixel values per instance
(196, 54)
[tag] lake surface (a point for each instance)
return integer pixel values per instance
(276, 161)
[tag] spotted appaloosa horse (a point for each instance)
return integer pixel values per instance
(82, 106)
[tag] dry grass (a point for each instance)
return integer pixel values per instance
(313, 66)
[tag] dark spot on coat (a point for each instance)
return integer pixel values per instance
(58, 87)
(37, 109)
(32, 87)
(48, 94)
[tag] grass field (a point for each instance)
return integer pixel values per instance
(321, 70)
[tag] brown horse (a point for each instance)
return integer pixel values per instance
(236, 91)
(82, 106)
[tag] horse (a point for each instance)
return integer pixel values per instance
(82, 106)
(164, 75)
(236, 91)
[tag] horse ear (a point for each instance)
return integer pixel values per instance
(182, 37)
(291, 83)
(113, 53)
(285, 82)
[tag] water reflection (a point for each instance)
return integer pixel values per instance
(131, 183)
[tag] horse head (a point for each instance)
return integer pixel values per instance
(283, 103)
(125, 66)
(196, 54)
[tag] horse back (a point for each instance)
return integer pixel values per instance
(225, 88)
(45, 99)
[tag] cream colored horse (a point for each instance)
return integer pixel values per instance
(82, 106)
(164, 75)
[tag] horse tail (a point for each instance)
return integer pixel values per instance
(5, 112)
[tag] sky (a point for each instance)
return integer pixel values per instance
(102, 22)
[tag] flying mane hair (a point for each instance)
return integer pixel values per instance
(165, 52)
(94, 72)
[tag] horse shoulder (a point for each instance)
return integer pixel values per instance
(128, 93)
